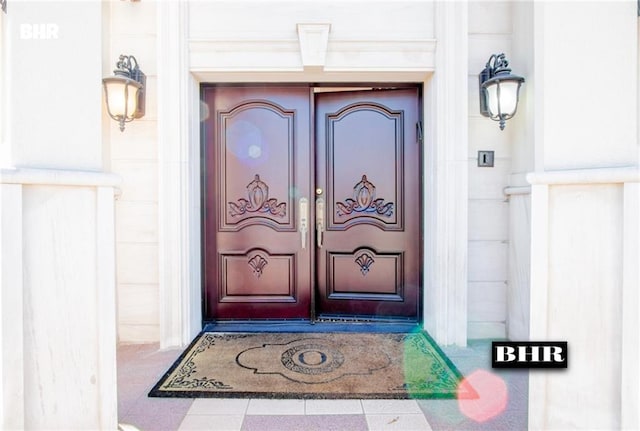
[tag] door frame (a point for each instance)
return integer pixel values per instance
(314, 89)
(444, 73)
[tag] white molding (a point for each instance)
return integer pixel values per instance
(59, 177)
(446, 183)
(517, 190)
(307, 76)
(12, 409)
(519, 244)
(381, 55)
(245, 46)
(214, 55)
(248, 46)
(193, 215)
(106, 309)
(244, 55)
(630, 365)
(539, 261)
(404, 46)
(623, 174)
(539, 293)
(178, 257)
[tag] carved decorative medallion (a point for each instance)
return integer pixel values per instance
(258, 194)
(364, 201)
(257, 263)
(364, 261)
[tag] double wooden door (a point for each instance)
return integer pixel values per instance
(311, 203)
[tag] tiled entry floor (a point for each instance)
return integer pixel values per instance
(140, 366)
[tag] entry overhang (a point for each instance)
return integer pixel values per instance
(305, 55)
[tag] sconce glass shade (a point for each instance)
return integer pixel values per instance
(124, 92)
(499, 90)
(122, 98)
(502, 98)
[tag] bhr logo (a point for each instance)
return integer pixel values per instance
(39, 31)
(529, 354)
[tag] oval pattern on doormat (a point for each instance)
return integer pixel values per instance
(312, 360)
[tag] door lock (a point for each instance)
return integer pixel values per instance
(304, 221)
(319, 220)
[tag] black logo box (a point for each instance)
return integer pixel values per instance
(556, 353)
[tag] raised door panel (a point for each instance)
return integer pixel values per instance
(257, 275)
(364, 178)
(365, 274)
(256, 169)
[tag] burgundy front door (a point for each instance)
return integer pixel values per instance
(368, 178)
(256, 145)
(297, 224)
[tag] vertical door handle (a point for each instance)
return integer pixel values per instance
(319, 220)
(304, 221)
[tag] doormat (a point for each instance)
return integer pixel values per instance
(313, 366)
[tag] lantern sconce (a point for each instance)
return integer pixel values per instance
(499, 90)
(125, 91)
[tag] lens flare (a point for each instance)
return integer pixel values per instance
(204, 111)
(246, 142)
(492, 395)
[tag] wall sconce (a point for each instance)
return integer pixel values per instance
(124, 92)
(499, 90)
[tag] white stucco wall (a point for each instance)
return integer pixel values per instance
(519, 190)
(584, 224)
(57, 297)
(489, 33)
(133, 154)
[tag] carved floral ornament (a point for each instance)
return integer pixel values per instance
(257, 264)
(364, 261)
(364, 201)
(258, 201)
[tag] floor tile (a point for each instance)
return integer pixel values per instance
(306, 423)
(390, 407)
(275, 407)
(219, 406)
(212, 422)
(444, 415)
(333, 407)
(159, 418)
(447, 417)
(128, 395)
(399, 422)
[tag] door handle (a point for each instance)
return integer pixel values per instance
(319, 220)
(304, 221)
